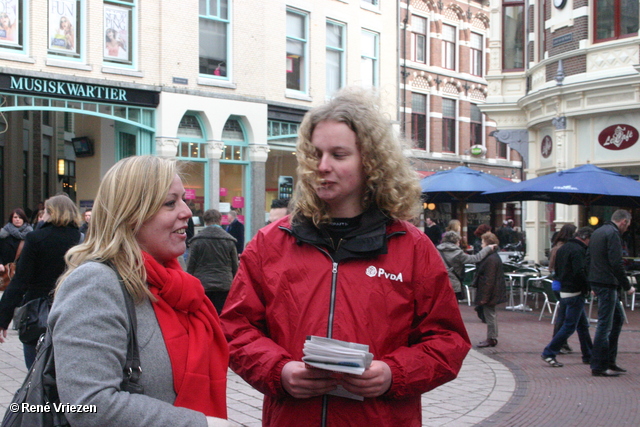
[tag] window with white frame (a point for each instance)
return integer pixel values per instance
(448, 125)
(369, 58)
(214, 22)
(12, 24)
(449, 47)
(335, 56)
(369, 3)
(476, 44)
(513, 35)
(419, 120)
(118, 31)
(419, 29)
(475, 132)
(296, 50)
(65, 32)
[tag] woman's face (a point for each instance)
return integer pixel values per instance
(164, 235)
(16, 220)
(111, 35)
(341, 175)
(64, 23)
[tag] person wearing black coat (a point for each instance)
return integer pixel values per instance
(236, 229)
(41, 262)
(12, 234)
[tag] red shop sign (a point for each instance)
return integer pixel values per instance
(618, 137)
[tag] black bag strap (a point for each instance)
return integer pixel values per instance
(132, 369)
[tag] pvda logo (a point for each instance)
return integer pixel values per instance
(379, 272)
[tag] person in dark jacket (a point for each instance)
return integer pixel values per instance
(571, 272)
(491, 289)
(14, 232)
(346, 264)
(213, 259)
(606, 278)
(236, 229)
(41, 262)
(432, 231)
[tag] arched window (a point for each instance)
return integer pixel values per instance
(192, 137)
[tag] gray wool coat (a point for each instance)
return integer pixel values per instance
(454, 260)
(89, 323)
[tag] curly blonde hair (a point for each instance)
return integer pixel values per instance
(391, 184)
(130, 193)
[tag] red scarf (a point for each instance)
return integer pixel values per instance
(196, 345)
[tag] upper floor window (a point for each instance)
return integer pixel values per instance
(335, 56)
(214, 37)
(12, 28)
(449, 46)
(513, 35)
(419, 120)
(118, 31)
(476, 45)
(65, 27)
(369, 58)
(370, 3)
(615, 19)
(419, 27)
(448, 125)
(476, 126)
(296, 50)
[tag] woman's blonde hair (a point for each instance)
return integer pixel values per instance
(62, 211)
(131, 192)
(391, 184)
(454, 225)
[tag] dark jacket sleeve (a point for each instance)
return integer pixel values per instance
(616, 262)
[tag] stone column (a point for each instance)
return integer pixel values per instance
(214, 153)
(167, 147)
(258, 154)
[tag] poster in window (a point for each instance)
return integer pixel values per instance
(116, 33)
(9, 25)
(63, 20)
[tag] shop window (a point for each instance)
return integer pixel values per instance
(419, 30)
(192, 140)
(513, 35)
(369, 58)
(449, 125)
(13, 29)
(278, 130)
(476, 131)
(214, 21)
(615, 19)
(335, 56)
(419, 120)
(126, 145)
(119, 31)
(449, 46)
(65, 28)
(296, 50)
(477, 44)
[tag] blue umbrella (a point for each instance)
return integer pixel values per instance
(461, 184)
(586, 185)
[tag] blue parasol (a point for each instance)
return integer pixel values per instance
(461, 184)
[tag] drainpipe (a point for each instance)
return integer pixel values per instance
(404, 72)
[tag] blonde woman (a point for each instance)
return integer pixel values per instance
(41, 262)
(347, 265)
(139, 227)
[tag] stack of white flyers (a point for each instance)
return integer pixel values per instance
(335, 355)
(338, 356)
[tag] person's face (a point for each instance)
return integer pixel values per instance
(164, 235)
(484, 244)
(111, 35)
(429, 222)
(87, 217)
(4, 20)
(64, 23)
(16, 220)
(342, 179)
(624, 225)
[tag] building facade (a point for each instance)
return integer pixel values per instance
(443, 63)
(220, 85)
(564, 88)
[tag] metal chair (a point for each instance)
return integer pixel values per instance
(469, 271)
(549, 300)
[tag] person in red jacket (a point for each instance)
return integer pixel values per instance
(346, 265)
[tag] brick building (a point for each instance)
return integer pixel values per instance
(443, 62)
(563, 84)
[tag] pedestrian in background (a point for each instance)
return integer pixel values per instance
(571, 272)
(213, 259)
(607, 278)
(13, 232)
(432, 231)
(491, 289)
(346, 265)
(140, 231)
(236, 229)
(455, 259)
(41, 263)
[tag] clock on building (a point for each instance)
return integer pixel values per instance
(559, 4)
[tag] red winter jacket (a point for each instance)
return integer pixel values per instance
(399, 302)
